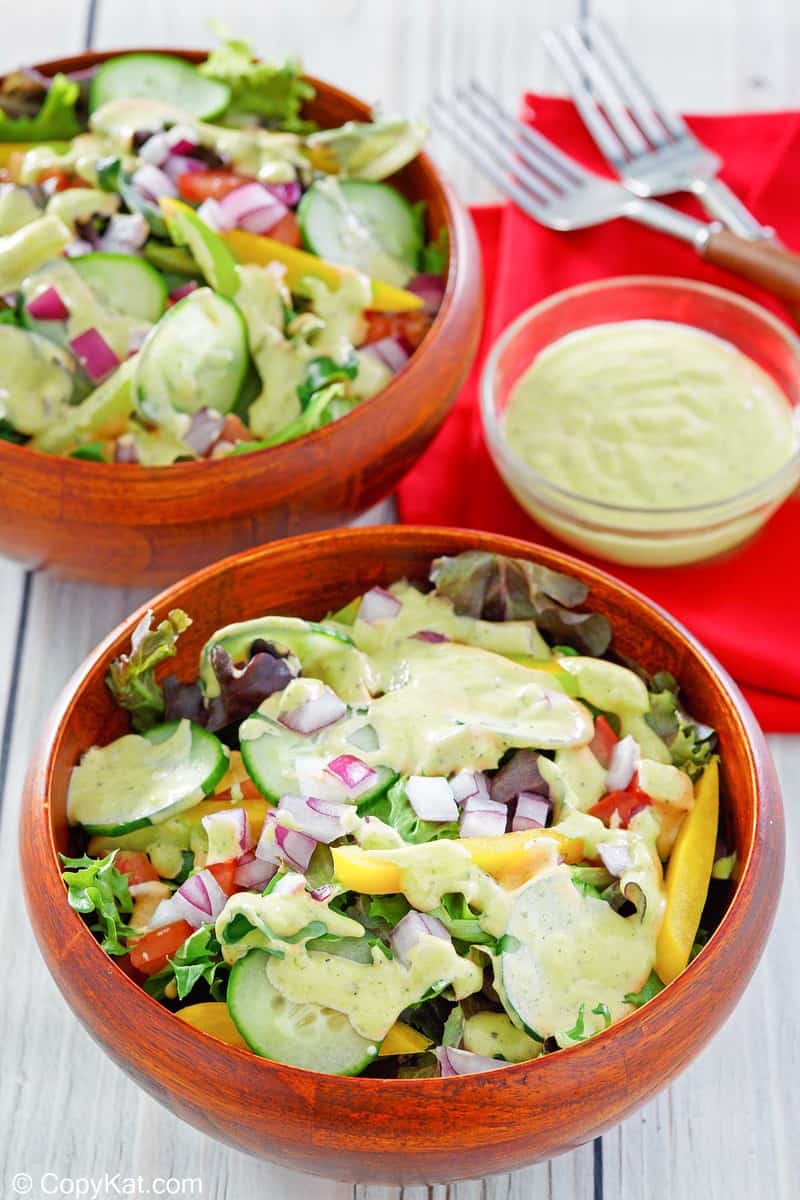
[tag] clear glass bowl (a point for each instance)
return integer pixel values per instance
(621, 533)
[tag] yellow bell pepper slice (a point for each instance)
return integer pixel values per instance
(402, 1039)
(253, 248)
(360, 870)
(215, 1020)
(9, 149)
(688, 876)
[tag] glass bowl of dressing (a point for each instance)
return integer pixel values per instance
(646, 420)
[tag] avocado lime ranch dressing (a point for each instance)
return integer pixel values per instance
(437, 827)
(649, 414)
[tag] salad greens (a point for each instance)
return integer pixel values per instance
(219, 275)
(437, 836)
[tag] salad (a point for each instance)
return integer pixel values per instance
(442, 830)
(191, 269)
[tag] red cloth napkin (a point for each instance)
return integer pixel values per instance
(746, 607)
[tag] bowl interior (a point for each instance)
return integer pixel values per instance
(314, 575)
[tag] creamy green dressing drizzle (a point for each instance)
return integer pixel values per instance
(649, 413)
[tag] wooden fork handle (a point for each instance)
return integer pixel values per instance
(764, 262)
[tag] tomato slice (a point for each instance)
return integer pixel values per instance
(197, 186)
(149, 955)
(224, 872)
(287, 230)
(626, 804)
(409, 327)
(603, 742)
(136, 865)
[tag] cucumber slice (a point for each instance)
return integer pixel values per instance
(271, 762)
(299, 1035)
(171, 79)
(326, 654)
(195, 357)
(369, 226)
(37, 380)
(142, 779)
(125, 283)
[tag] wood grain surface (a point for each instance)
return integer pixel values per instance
(725, 1129)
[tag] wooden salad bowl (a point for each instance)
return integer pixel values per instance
(133, 525)
(417, 1130)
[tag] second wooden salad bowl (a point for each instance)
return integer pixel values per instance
(416, 1130)
(133, 525)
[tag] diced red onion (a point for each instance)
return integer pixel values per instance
(182, 139)
(616, 857)
(155, 150)
(430, 289)
(210, 212)
(125, 449)
(624, 761)
(378, 605)
(266, 848)
(200, 899)
(78, 248)
(125, 234)
(181, 164)
(323, 893)
(319, 819)
(411, 928)
(94, 354)
(153, 182)
(291, 884)
(48, 306)
(430, 635)
(295, 848)
(136, 339)
(167, 913)
(431, 798)
(251, 872)
(252, 207)
(315, 714)
(356, 775)
(482, 817)
(234, 819)
(184, 290)
(520, 774)
(204, 429)
(533, 812)
(464, 1062)
(390, 351)
(469, 783)
(287, 193)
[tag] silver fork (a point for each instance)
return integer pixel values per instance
(558, 192)
(649, 146)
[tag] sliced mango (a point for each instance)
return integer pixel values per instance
(402, 1039)
(365, 871)
(688, 876)
(215, 1020)
(253, 248)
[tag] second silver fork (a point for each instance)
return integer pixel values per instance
(649, 145)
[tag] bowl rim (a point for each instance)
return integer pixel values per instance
(765, 819)
(715, 510)
(186, 471)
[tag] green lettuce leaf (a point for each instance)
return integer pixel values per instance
(496, 588)
(388, 909)
(323, 371)
(395, 809)
(460, 921)
(131, 677)
(651, 988)
(434, 255)
(272, 93)
(453, 1027)
(690, 744)
(200, 957)
(55, 121)
(371, 149)
(94, 885)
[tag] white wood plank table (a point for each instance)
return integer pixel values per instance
(726, 1129)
